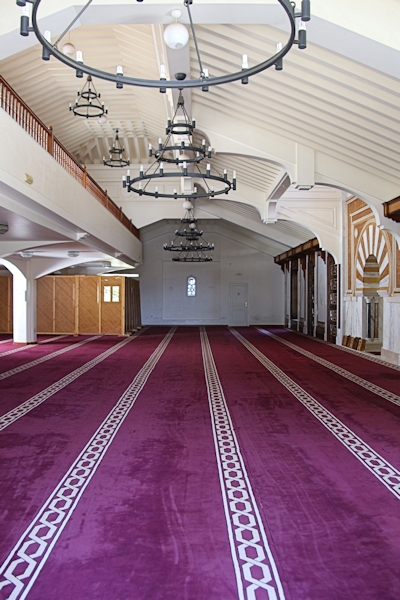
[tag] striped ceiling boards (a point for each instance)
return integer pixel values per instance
(327, 98)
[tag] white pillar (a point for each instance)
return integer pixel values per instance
(24, 307)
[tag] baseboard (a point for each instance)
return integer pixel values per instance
(390, 356)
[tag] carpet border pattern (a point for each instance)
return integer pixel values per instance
(370, 357)
(371, 387)
(254, 563)
(43, 359)
(25, 561)
(28, 346)
(19, 411)
(384, 471)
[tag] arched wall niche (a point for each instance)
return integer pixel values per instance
(364, 239)
(373, 244)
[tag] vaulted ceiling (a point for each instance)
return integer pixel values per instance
(339, 97)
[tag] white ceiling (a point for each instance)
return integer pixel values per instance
(328, 97)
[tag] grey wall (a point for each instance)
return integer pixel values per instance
(163, 282)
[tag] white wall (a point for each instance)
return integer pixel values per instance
(163, 282)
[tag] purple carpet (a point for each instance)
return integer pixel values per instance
(376, 372)
(330, 520)
(115, 489)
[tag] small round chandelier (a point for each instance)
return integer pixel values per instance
(297, 35)
(88, 103)
(187, 156)
(116, 157)
(193, 247)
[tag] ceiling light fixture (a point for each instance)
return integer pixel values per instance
(176, 35)
(73, 253)
(3, 228)
(297, 35)
(68, 49)
(116, 155)
(193, 248)
(26, 254)
(187, 156)
(87, 103)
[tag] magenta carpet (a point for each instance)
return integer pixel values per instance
(155, 473)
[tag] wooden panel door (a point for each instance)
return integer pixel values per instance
(6, 304)
(89, 305)
(64, 313)
(112, 305)
(45, 305)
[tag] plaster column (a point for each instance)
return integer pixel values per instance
(24, 306)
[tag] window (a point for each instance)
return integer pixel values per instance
(107, 293)
(115, 293)
(191, 286)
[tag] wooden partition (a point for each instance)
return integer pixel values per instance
(87, 305)
(132, 305)
(6, 314)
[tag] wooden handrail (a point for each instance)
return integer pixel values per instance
(13, 104)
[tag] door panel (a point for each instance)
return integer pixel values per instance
(64, 309)
(45, 305)
(6, 304)
(239, 316)
(89, 305)
(112, 305)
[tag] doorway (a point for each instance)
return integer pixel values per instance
(238, 313)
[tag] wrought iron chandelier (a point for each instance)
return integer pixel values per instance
(116, 156)
(88, 103)
(297, 35)
(193, 247)
(185, 155)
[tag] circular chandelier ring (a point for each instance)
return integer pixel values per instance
(157, 83)
(142, 192)
(178, 160)
(96, 110)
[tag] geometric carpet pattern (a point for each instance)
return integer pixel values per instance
(198, 464)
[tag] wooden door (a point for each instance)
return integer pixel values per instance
(45, 305)
(6, 304)
(112, 305)
(89, 316)
(64, 304)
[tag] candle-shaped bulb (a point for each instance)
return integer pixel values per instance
(205, 71)
(141, 168)
(163, 74)
(120, 70)
(47, 35)
(79, 56)
(279, 46)
(245, 63)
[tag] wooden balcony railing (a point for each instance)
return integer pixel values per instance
(43, 135)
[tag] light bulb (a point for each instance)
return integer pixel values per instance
(68, 49)
(176, 36)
